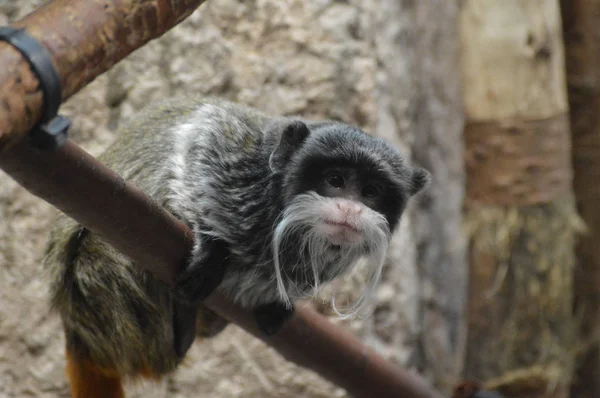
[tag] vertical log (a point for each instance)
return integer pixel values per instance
(395, 45)
(441, 252)
(580, 25)
(419, 110)
(520, 214)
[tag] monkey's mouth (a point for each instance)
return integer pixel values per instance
(340, 232)
(342, 225)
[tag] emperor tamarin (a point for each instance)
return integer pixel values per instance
(278, 206)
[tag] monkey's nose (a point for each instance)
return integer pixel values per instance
(349, 207)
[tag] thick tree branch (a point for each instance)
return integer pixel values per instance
(85, 39)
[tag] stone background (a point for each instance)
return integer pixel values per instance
(359, 61)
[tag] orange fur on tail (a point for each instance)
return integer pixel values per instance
(89, 381)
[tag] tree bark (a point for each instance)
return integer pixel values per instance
(580, 25)
(394, 33)
(520, 214)
(441, 251)
(420, 112)
(72, 33)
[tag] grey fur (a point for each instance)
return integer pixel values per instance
(210, 163)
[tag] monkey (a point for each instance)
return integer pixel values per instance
(278, 205)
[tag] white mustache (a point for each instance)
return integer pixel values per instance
(300, 221)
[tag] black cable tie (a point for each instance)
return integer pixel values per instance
(51, 131)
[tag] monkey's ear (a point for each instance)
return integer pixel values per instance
(420, 179)
(292, 137)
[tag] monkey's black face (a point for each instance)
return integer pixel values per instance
(360, 174)
(360, 188)
(341, 189)
(353, 184)
(350, 200)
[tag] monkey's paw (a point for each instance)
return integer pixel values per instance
(203, 274)
(271, 317)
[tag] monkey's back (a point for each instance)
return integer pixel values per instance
(219, 180)
(208, 168)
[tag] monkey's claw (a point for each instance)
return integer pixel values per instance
(271, 317)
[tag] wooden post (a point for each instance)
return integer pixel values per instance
(520, 215)
(581, 19)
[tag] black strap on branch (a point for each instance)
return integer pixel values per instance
(51, 131)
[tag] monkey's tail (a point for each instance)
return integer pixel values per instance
(87, 380)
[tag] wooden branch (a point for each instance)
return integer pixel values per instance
(79, 185)
(85, 38)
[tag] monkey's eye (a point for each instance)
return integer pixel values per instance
(335, 180)
(370, 191)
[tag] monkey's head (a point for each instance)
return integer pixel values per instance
(344, 193)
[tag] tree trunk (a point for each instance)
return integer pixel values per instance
(438, 146)
(520, 214)
(393, 33)
(419, 111)
(580, 24)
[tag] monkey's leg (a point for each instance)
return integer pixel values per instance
(197, 281)
(90, 381)
(191, 321)
(208, 323)
(271, 317)
(204, 273)
(184, 327)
